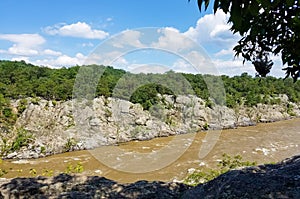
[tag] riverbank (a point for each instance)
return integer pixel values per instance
(263, 143)
(57, 127)
(281, 180)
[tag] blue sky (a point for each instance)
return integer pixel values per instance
(64, 33)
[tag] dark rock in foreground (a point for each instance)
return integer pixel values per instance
(66, 186)
(280, 180)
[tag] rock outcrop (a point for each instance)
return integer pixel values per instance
(85, 124)
(281, 180)
(66, 186)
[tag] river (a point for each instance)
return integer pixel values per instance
(264, 143)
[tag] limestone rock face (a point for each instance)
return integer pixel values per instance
(86, 124)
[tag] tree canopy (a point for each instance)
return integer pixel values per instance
(21, 80)
(267, 27)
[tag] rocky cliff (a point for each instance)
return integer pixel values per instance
(281, 180)
(83, 124)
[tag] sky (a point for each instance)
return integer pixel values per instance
(138, 36)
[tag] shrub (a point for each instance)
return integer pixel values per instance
(226, 164)
(70, 144)
(22, 105)
(23, 138)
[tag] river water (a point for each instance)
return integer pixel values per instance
(169, 158)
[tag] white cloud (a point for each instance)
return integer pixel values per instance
(224, 52)
(51, 52)
(181, 65)
(105, 58)
(89, 44)
(127, 38)
(61, 61)
(79, 29)
(24, 39)
(213, 33)
(26, 59)
(213, 28)
(172, 40)
(234, 67)
(147, 68)
(17, 49)
(24, 44)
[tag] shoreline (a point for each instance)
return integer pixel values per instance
(58, 128)
(262, 143)
(163, 136)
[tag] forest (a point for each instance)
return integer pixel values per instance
(19, 80)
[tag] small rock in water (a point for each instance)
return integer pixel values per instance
(191, 170)
(98, 171)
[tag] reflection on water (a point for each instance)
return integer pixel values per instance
(263, 143)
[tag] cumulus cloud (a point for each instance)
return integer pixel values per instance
(61, 61)
(127, 38)
(213, 29)
(79, 29)
(26, 59)
(51, 52)
(24, 44)
(147, 68)
(233, 67)
(224, 52)
(172, 40)
(183, 66)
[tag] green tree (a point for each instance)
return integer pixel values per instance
(267, 27)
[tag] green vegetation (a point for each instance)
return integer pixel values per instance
(47, 172)
(7, 117)
(21, 80)
(226, 164)
(33, 172)
(266, 27)
(146, 95)
(78, 168)
(22, 139)
(70, 144)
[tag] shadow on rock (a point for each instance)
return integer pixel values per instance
(280, 180)
(67, 186)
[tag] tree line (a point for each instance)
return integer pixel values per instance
(21, 80)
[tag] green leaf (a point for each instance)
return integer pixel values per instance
(277, 50)
(254, 8)
(200, 2)
(216, 5)
(266, 4)
(235, 17)
(290, 2)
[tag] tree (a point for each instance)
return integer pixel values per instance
(267, 27)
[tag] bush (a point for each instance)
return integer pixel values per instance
(70, 144)
(23, 138)
(226, 164)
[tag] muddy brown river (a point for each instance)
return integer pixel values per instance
(158, 159)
